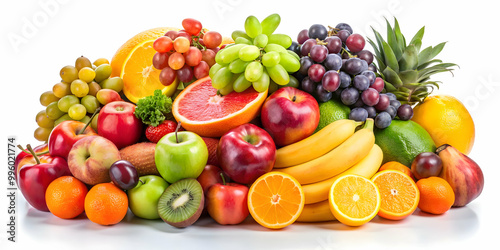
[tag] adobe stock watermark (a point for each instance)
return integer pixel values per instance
(31, 26)
(222, 7)
(486, 87)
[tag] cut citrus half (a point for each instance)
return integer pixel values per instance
(354, 200)
(140, 78)
(124, 51)
(275, 200)
(399, 194)
(201, 110)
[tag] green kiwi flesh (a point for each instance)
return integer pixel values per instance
(181, 203)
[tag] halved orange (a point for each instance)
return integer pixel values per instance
(201, 110)
(399, 194)
(140, 78)
(275, 200)
(354, 200)
(124, 51)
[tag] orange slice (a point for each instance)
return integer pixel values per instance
(399, 194)
(124, 51)
(201, 110)
(275, 200)
(354, 200)
(140, 78)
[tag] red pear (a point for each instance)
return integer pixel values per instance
(462, 173)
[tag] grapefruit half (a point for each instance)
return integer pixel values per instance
(201, 110)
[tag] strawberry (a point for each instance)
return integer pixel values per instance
(154, 134)
(212, 150)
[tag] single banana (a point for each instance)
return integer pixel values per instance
(322, 142)
(367, 167)
(316, 212)
(337, 160)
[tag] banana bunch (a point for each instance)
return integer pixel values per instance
(317, 161)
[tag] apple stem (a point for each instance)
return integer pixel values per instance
(176, 130)
(90, 121)
(32, 153)
(223, 179)
(141, 181)
(27, 152)
(294, 98)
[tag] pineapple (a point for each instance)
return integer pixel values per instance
(405, 69)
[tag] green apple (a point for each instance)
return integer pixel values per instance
(143, 198)
(180, 155)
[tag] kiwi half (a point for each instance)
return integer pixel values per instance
(181, 203)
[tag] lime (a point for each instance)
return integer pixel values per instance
(331, 111)
(402, 141)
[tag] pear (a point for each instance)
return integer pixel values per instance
(462, 173)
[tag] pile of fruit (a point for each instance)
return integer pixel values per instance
(188, 123)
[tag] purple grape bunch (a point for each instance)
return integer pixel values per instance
(334, 64)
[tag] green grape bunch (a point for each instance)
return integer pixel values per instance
(258, 58)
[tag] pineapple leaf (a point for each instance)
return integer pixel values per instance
(405, 90)
(425, 65)
(418, 37)
(399, 36)
(438, 68)
(409, 60)
(392, 77)
(418, 44)
(432, 83)
(380, 74)
(392, 41)
(408, 76)
(390, 58)
(378, 55)
(424, 56)
(402, 95)
(389, 87)
(437, 49)
(380, 41)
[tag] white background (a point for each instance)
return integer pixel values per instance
(68, 29)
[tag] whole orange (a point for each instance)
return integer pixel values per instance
(394, 165)
(436, 195)
(106, 204)
(65, 197)
(447, 121)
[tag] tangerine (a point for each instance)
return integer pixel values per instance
(106, 204)
(436, 195)
(65, 197)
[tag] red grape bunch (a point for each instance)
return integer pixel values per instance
(187, 54)
(334, 64)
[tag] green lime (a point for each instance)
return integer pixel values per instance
(402, 141)
(331, 111)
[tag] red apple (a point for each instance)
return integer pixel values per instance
(34, 178)
(227, 203)
(118, 124)
(65, 134)
(246, 152)
(26, 158)
(211, 175)
(290, 115)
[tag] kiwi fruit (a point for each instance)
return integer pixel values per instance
(181, 203)
(142, 156)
